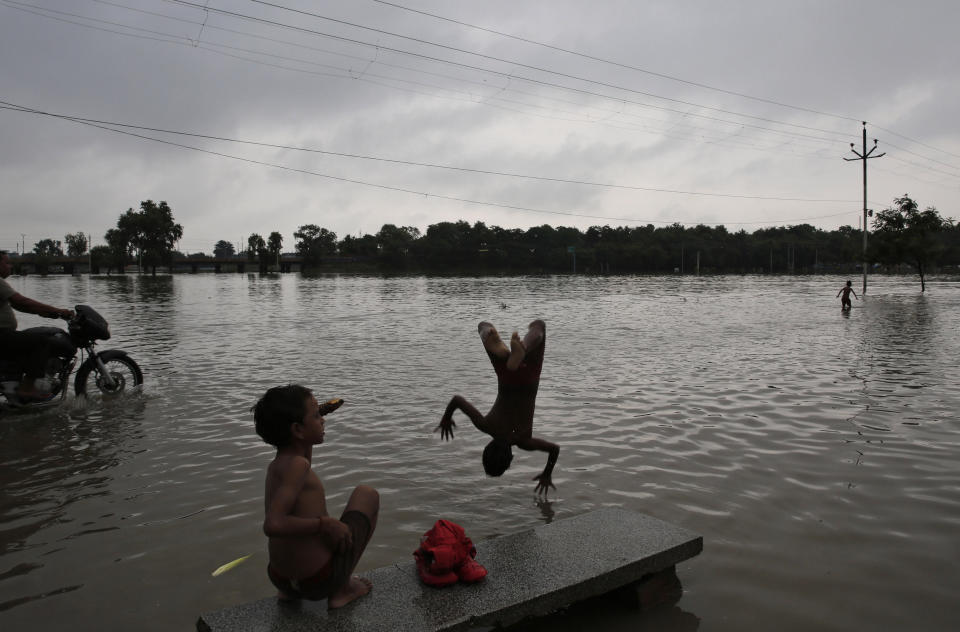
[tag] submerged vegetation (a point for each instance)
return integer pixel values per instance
(903, 238)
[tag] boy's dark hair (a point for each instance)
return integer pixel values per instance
(496, 457)
(280, 407)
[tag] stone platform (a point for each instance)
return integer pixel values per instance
(531, 573)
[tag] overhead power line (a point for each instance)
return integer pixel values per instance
(912, 140)
(501, 60)
(481, 55)
(616, 63)
(206, 9)
(17, 107)
(411, 191)
(179, 39)
(939, 162)
(365, 75)
(654, 73)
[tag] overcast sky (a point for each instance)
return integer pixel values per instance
(590, 113)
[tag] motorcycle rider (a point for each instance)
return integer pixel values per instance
(31, 349)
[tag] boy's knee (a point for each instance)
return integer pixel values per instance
(369, 493)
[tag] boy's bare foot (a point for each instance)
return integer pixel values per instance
(491, 340)
(354, 589)
(517, 352)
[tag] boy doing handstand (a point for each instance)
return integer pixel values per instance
(510, 421)
(312, 555)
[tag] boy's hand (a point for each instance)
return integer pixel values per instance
(544, 484)
(337, 535)
(446, 428)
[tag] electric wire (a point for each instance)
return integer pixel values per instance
(182, 40)
(912, 140)
(206, 9)
(177, 39)
(939, 162)
(444, 166)
(528, 66)
(481, 55)
(923, 167)
(420, 193)
(617, 64)
(18, 107)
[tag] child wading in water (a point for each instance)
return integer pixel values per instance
(312, 555)
(847, 290)
(510, 421)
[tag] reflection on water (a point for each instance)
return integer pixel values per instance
(546, 509)
(814, 450)
(55, 466)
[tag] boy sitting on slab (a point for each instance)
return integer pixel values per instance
(312, 556)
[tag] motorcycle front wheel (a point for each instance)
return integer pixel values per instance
(125, 374)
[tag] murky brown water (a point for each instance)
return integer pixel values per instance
(817, 453)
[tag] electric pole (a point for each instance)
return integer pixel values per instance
(864, 157)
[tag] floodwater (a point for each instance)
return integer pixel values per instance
(818, 453)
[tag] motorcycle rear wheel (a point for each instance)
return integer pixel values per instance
(125, 372)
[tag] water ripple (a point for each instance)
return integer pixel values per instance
(816, 453)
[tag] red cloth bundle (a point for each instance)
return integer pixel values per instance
(446, 555)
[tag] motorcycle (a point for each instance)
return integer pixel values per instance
(109, 372)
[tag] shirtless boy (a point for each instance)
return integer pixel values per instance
(312, 555)
(847, 290)
(510, 421)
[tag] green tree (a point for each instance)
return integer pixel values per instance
(48, 248)
(102, 256)
(118, 244)
(907, 234)
(314, 242)
(275, 246)
(76, 244)
(365, 246)
(152, 232)
(223, 249)
(255, 246)
(394, 244)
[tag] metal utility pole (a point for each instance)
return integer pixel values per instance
(864, 157)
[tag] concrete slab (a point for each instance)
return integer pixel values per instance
(531, 573)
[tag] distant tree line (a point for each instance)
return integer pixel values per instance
(901, 235)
